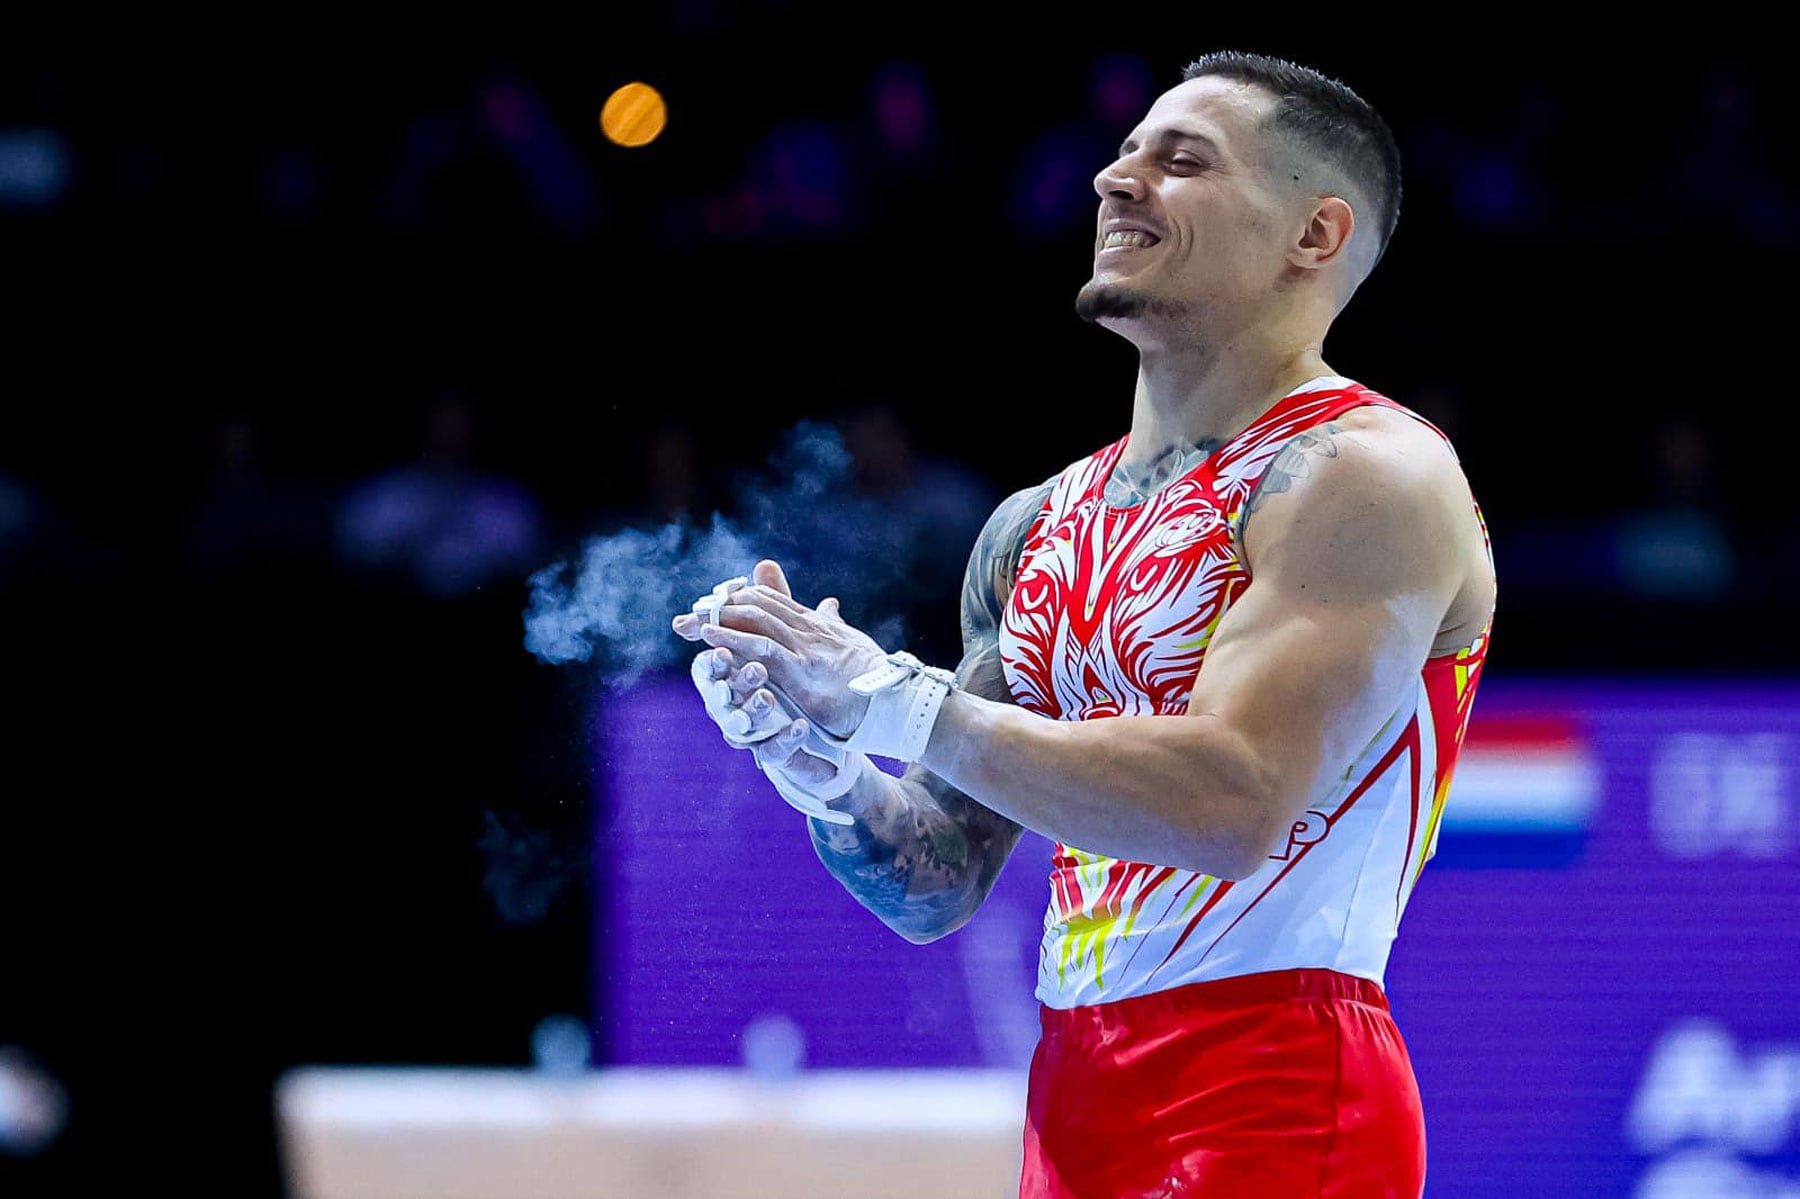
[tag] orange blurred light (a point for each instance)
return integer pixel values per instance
(634, 115)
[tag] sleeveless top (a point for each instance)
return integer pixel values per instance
(1110, 615)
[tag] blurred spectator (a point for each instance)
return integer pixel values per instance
(1498, 181)
(899, 153)
(33, 1105)
(1680, 547)
(1053, 192)
(448, 528)
(245, 523)
(35, 168)
(808, 178)
(797, 184)
(803, 171)
(1721, 179)
(922, 514)
(499, 162)
(904, 111)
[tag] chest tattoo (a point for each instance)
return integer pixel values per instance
(1131, 483)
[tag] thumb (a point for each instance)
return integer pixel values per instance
(768, 573)
(829, 607)
(806, 768)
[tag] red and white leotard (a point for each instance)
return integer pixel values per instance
(1110, 615)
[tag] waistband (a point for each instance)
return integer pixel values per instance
(1219, 994)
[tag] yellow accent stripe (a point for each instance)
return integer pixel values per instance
(1207, 884)
(1437, 812)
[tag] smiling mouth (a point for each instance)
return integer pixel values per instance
(1128, 239)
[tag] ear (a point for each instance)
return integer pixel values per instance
(1326, 237)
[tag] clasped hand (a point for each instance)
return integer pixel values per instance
(764, 636)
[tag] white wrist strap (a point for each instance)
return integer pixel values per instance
(905, 696)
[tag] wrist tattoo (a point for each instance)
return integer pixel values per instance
(922, 855)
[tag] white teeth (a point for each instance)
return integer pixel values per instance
(1128, 237)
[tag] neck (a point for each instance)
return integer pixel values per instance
(1194, 396)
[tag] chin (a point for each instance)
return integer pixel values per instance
(1097, 301)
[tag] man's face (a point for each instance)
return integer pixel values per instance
(1194, 176)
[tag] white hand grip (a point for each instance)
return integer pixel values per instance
(707, 606)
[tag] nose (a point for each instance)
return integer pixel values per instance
(1117, 179)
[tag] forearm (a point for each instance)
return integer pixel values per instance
(1171, 790)
(919, 855)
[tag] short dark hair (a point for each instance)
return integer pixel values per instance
(1325, 119)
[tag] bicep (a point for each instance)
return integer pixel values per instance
(1352, 573)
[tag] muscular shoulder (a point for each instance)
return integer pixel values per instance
(1400, 451)
(1373, 455)
(1371, 500)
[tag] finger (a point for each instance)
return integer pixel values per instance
(809, 768)
(749, 645)
(784, 608)
(742, 724)
(768, 573)
(758, 705)
(715, 691)
(801, 765)
(773, 626)
(780, 750)
(759, 718)
(735, 722)
(746, 679)
(828, 608)
(688, 623)
(754, 721)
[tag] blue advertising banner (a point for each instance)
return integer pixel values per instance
(1598, 976)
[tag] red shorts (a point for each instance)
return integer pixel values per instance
(1292, 1084)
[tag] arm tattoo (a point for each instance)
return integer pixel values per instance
(1292, 464)
(994, 563)
(1132, 483)
(924, 857)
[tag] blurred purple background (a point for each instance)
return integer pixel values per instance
(1612, 1018)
